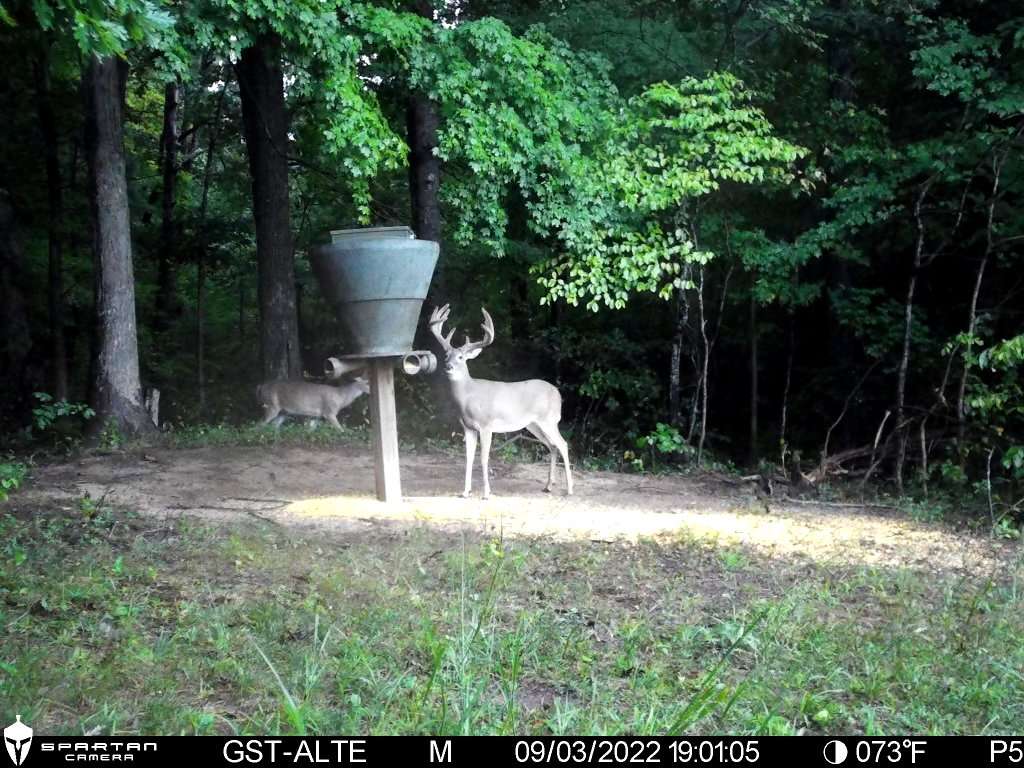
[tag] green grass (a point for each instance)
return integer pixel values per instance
(131, 625)
(292, 432)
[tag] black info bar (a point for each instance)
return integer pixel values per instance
(496, 751)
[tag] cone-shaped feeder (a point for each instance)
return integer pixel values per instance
(377, 279)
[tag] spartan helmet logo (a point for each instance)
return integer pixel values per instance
(17, 739)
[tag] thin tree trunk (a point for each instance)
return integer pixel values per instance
(241, 309)
(753, 380)
(166, 294)
(675, 370)
(972, 318)
(924, 455)
(901, 385)
(704, 369)
(261, 84)
(117, 387)
(908, 321)
(55, 223)
(201, 332)
(791, 347)
(201, 256)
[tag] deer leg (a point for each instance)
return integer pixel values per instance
(536, 432)
(332, 419)
(485, 454)
(269, 414)
(470, 436)
(555, 438)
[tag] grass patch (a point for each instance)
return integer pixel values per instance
(117, 624)
(292, 432)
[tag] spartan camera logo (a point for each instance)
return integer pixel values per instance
(17, 739)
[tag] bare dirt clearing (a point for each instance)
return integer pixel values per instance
(332, 490)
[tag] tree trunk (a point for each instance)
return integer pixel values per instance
(791, 349)
(676, 361)
(424, 167)
(241, 309)
(266, 139)
(422, 120)
(201, 256)
(55, 223)
(908, 320)
(704, 369)
(972, 318)
(117, 388)
(166, 294)
(201, 333)
(753, 379)
(15, 335)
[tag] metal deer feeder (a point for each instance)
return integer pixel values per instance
(377, 279)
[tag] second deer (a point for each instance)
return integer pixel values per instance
(486, 407)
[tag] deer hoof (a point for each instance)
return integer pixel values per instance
(547, 489)
(464, 494)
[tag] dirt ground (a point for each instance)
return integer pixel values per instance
(332, 489)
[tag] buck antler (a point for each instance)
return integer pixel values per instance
(487, 340)
(437, 319)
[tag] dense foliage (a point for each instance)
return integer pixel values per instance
(765, 230)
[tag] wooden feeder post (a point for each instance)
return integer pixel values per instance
(384, 426)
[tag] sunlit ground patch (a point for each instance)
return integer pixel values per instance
(837, 537)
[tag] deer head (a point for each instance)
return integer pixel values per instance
(456, 357)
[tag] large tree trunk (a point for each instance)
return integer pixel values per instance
(166, 294)
(422, 120)
(117, 388)
(55, 223)
(266, 139)
(201, 257)
(15, 337)
(424, 167)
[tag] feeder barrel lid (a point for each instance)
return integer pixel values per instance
(339, 235)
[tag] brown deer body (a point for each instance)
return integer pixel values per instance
(309, 399)
(486, 407)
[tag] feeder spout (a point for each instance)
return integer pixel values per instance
(420, 361)
(335, 368)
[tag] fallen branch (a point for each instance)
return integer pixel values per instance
(843, 504)
(282, 502)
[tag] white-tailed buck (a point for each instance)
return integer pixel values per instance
(486, 407)
(306, 398)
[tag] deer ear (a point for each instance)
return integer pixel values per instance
(473, 353)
